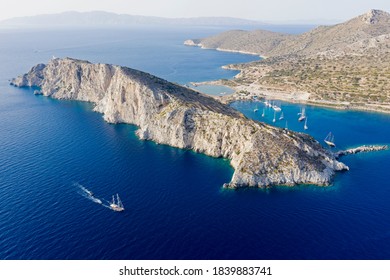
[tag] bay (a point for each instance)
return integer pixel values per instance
(175, 205)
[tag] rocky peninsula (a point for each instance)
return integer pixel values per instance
(167, 113)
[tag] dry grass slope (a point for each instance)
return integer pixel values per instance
(346, 63)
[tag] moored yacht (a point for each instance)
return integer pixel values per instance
(305, 126)
(302, 115)
(329, 140)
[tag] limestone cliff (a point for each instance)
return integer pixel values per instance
(170, 114)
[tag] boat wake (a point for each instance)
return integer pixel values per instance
(115, 204)
(88, 194)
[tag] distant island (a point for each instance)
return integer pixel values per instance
(344, 66)
(102, 19)
(170, 114)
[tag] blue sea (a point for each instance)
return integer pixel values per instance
(176, 208)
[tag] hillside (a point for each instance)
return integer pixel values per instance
(321, 39)
(346, 65)
(355, 82)
(257, 41)
(336, 38)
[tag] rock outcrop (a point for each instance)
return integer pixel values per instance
(361, 149)
(192, 43)
(170, 114)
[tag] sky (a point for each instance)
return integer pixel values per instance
(262, 10)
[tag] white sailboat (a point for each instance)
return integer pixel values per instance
(281, 116)
(274, 120)
(256, 109)
(303, 115)
(305, 126)
(329, 140)
(286, 127)
(276, 107)
(116, 205)
(263, 114)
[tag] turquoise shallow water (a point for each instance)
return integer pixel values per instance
(351, 128)
(175, 205)
(213, 89)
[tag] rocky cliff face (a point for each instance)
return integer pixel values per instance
(167, 113)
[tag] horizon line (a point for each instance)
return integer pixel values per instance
(258, 21)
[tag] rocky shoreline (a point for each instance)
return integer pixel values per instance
(167, 113)
(249, 93)
(195, 43)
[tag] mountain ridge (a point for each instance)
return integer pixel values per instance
(322, 38)
(101, 18)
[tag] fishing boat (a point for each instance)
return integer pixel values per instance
(274, 120)
(263, 114)
(281, 116)
(117, 204)
(302, 115)
(256, 109)
(305, 127)
(329, 140)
